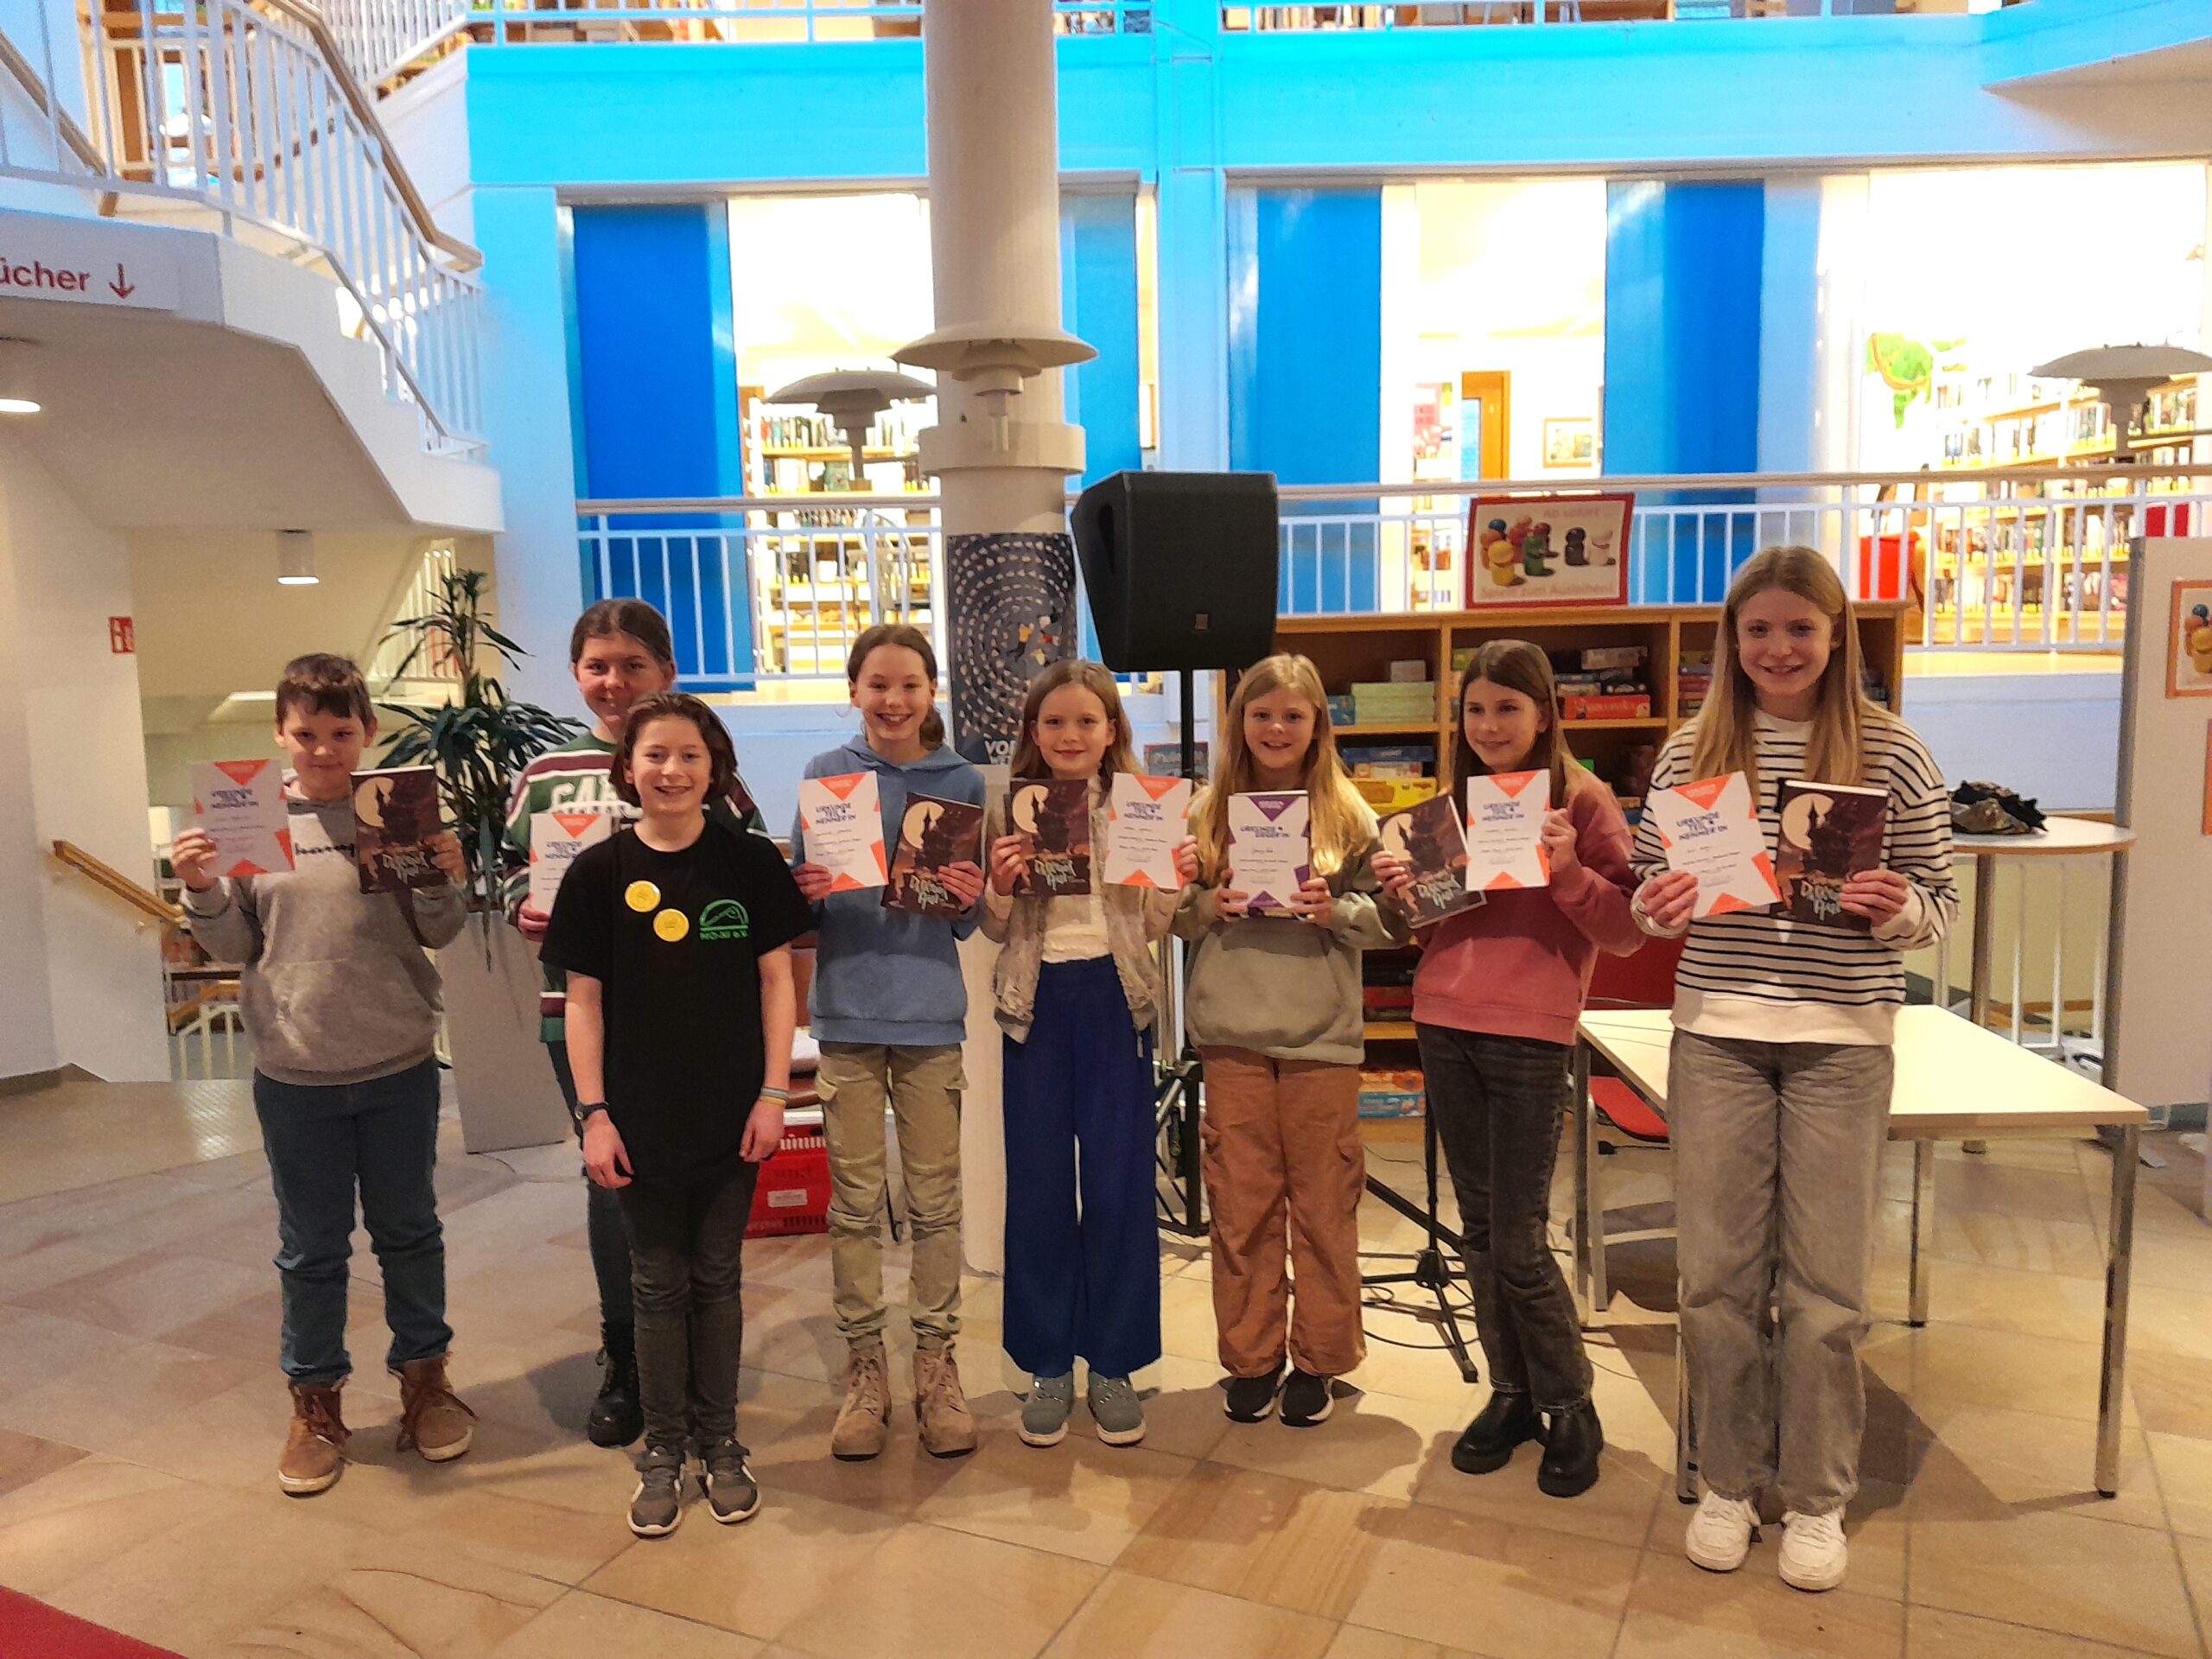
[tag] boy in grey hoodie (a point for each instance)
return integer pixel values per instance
(342, 1003)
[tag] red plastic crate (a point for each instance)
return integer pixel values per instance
(793, 1194)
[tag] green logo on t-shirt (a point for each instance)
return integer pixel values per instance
(725, 919)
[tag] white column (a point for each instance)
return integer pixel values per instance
(1001, 452)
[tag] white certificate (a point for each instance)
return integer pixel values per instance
(1270, 849)
(1711, 830)
(844, 830)
(1148, 823)
(1505, 828)
(241, 805)
(555, 838)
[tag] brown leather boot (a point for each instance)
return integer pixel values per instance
(940, 1405)
(864, 1417)
(432, 1419)
(315, 1450)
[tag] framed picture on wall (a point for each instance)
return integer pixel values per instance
(2188, 646)
(1548, 550)
(1571, 443)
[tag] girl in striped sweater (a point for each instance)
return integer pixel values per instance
(1781, 1068)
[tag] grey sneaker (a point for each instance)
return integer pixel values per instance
(1045, 1418)
(731, 1493)
(657, 1505)
(1114, 1408)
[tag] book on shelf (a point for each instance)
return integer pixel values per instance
(1830, 832)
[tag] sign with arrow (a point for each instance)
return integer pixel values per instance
(55, 259)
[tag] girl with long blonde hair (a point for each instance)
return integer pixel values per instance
(1275, 1009)
(1780, 1071)
(1496, 999)
(1078, 993)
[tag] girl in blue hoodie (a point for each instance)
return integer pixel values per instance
(889, 1008)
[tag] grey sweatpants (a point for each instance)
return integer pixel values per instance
(1777, 1154)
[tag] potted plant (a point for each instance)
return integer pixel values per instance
(478, 740)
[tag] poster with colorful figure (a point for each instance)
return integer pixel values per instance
(1548, 550)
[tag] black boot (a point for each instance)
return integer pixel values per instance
(1571, 1444)
(1503, 1424)
(617, 1418)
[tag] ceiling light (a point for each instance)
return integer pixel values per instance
(17, 394)
(296, 558)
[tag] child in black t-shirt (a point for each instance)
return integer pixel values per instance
(680, 1009)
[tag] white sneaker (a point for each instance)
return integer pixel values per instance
(1814, 1555)
(1719, 1535)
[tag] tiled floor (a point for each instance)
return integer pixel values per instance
(140, 1413)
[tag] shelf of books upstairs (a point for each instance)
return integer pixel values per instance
(1627, 676)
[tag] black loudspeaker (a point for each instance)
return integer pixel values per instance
(1181, 568)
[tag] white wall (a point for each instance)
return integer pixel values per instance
(427, 121)
(73, 741)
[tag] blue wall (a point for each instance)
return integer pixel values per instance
(1305, 372)
(1683, 275)
(654, 410)
(1098, 303)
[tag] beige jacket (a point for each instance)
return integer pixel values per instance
(1137, 918)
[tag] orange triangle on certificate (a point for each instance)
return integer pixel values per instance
(239, 772)
(575, 823)
(1706, 791)
(1514, 784)
(1155, 787)
(843, 787)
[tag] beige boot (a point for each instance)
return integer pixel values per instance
(315, 1450)
(940, 1405)
(432, 1419)
(863, 1419)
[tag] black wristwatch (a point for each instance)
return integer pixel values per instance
(583, 1111)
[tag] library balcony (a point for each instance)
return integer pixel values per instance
(2021, 569)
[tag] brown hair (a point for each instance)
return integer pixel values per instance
(899, 636)
(1121, 750)
(631, 616)
(323, 684)
(722, 754)
(1518, 666)
(1726, 732)
(1339, 821)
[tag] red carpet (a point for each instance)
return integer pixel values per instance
(31, 1630)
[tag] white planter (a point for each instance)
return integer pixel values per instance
(503, 1080)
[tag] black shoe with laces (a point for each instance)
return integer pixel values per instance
(1573, 1441)
(1306, 1399)
(617, 1416)
(1503, 1422)
(1251, 1398)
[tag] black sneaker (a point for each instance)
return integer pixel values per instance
(617, 1417)
(1306, 1399)
(657, 1507)
(731, 1493)
(1251, 1398)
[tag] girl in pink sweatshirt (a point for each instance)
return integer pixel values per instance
(1496, 1000)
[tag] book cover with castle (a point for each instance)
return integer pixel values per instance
(932, 833)
(1052, 818)
(395, 817)
(1830, 832)
(1429, 836)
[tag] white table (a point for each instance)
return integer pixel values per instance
(1954, 1080)
(2060, 838)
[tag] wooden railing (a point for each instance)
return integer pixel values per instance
(106, 877)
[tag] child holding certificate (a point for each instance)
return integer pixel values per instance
(1781, 1066)
(1077, 988)
(1496, 999)
(1275, 1009)
(890, 1009)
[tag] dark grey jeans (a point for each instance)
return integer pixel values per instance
(687, 1284)
(1498, 1103)
(1777, 1162)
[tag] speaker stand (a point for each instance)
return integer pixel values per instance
(1176, 1107)
(1432, 1269)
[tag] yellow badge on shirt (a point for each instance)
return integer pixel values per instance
(671, 924)
(641, 896)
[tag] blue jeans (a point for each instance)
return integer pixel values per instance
(324, 1141)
